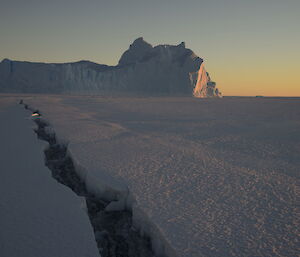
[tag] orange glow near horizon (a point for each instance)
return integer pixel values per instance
(258, 78)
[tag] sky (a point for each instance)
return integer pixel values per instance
(250, 47)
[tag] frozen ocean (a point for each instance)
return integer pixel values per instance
(200, 177)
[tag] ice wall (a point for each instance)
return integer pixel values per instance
(204, 86)
(142, 69)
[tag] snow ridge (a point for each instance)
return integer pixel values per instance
(114, 233)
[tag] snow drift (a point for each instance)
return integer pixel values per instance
(142, 69)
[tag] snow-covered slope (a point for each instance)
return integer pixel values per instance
(142, 69)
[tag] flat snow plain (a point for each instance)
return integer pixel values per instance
(38, 216)
(206, 177)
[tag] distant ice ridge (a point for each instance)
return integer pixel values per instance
(142, 69)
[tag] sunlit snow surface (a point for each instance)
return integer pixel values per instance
(206, 177)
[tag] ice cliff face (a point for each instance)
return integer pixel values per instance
(204, 86)
(142, 69)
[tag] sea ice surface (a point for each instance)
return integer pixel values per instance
(203, 177)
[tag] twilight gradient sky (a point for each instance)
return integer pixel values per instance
(250, 47)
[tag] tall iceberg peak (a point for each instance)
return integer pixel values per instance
(137, 50)
(141, 51)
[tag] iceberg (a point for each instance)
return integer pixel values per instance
(141, 70)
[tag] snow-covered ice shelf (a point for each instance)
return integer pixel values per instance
(202, 177)
(38, 216)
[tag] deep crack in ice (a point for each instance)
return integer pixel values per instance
(114, 233)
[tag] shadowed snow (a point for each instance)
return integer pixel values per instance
(38, 216)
